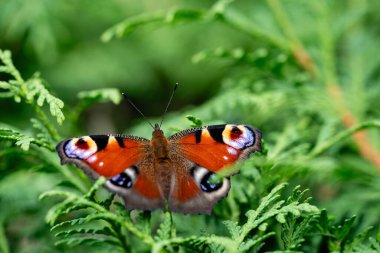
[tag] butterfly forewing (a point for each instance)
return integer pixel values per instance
(215, 147)
(106, 155)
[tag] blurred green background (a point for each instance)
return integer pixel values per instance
(61, 40)
(301, 71)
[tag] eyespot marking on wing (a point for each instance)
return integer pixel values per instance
(126, 179)
(81, 148)
(238, 136)
(207, 181)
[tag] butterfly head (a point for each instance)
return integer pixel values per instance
(157, 132)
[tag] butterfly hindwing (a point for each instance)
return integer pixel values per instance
(194, 190)
(138, 188)
(123, 160)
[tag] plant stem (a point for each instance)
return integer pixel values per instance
(4, 247)
(343, 135)
(5, 57)
(330, 80)
(329, 77)
(240, 23)
(121, 237)
(44, 119)
(294, 43)
(34, 141)
(68, 173)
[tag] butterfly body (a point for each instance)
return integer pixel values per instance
(180, 170)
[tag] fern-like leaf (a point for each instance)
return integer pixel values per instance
(80, 239)
(270, 207)
(196, 122)
(215, 243)
(165, 231)
(33, 92)
(117, 224)
(37, 91)
(22, 140)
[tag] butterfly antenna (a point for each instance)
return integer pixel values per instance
(170, 100)
(137, 109)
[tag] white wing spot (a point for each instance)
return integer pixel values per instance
(232, 151)
(101, 164)
(92, 159)
(225, 158)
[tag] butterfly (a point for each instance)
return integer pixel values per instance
(180, 170)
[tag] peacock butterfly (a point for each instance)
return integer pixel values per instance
(180, 169)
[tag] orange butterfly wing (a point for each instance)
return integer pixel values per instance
(106, 155)
(124, 160)
(214, 147)
(200, 152)
(195, 156)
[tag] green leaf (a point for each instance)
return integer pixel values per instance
(91, 193)
(196, 122)
(4, 85)
(22, 140)
(24, 143)
(165, 232)
(256, 242)
(233, 228)
(78, 240)
(129, 25)
(90, 231)
(36, 89)
(341, 231)
(101, 96)
(271, 206)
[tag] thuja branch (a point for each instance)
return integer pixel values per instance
(44, 119)
(296, 47)
(27, 90)
(240, 23)
(329, 77)
(330, 80)
(74, 202)
(34, 93)
(343, 135)
(23, 140)
(348, 119)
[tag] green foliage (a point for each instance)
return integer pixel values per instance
(116, 227)
(22, 140)
(196, 122)
(32, 91)
(305, 73)
(100, 96)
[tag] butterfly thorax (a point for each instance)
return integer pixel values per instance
(160, 145)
